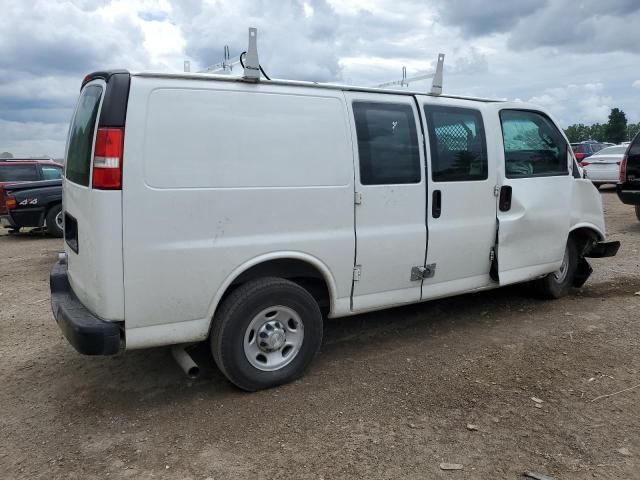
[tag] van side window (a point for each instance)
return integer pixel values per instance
(533, 145)
(457, 143)
(387, 143)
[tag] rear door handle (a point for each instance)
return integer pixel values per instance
(505, 198)
(436, 204)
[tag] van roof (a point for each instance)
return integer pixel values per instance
(301, 83)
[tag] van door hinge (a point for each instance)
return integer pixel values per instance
(496, 191)
(420, 273)
(357, 198)
(357, 272)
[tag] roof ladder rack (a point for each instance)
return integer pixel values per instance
(436, 83)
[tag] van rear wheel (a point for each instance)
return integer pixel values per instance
(266, 333)
(557, 284)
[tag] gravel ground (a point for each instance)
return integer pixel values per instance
(390, 395)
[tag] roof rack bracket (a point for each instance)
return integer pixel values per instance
(436, 83)
(251, 61)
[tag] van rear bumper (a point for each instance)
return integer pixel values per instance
(87, 333)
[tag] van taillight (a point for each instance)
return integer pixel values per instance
(623, 169)
(107, 159)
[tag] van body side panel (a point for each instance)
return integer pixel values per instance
(95, 271)
(224, 173)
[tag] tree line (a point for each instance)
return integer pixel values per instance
(616, 130)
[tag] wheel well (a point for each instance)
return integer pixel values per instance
(585, 239)
(298, 271)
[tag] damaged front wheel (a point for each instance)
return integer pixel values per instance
(557, 284)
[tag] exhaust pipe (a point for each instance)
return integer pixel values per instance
(185, 361)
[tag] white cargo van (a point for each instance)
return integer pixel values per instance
(242, 211)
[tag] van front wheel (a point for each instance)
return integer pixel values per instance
(266, 333)
(557, 284)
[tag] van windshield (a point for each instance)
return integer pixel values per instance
(78, 162)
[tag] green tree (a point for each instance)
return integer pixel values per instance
(632, 130)
(597, 131)
(616, 128)
(6, 155)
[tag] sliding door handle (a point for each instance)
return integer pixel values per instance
(436, 204)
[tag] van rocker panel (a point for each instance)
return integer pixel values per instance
(87, 333)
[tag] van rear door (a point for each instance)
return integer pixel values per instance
(93, 213)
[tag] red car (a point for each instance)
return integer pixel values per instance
(16, 170)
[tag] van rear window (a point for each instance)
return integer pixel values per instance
(78, 169)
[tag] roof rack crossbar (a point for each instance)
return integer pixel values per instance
(436, 83)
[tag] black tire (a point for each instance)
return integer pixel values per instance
(53, 228)
(14, 230)
(234, 317)
(638, 212)
(557, 284)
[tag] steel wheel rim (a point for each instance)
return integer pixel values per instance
(60, 220)
(561, 273)
(273, 338)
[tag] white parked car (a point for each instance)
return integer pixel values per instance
(291, 201)
(604, 166)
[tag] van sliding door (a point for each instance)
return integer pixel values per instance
(390, 200)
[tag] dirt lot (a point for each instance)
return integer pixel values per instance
(389, 396)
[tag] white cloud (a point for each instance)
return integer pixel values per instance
(636, 84)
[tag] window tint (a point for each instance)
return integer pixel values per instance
(387, 143)
(533, 146)
(457, 143)
(50, 172)
(81, 135)
(18, 173)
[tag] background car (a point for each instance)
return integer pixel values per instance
(604, 166)
(28, 170)
(584, 150)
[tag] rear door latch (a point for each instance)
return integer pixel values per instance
(420, 273)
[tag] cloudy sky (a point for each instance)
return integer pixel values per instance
(579, 58)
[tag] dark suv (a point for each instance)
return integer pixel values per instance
(28, 170)
(629, 186)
